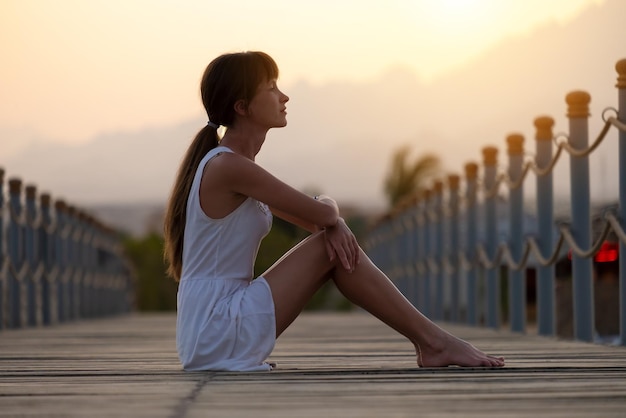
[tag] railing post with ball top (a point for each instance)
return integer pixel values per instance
(453, 247)
(33, 281)
(16, 254)
(492, 274)
(428, 252)
(60, 252)
(471, 176)
(545, 226)
(439, 252)
(46, 242)
(582, 271)
(517, 279)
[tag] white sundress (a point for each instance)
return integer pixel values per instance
(225, 319)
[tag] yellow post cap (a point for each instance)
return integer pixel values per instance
(44, 200)
(578, 104)
(91, 220)
(490, 156)
(453, 181)
(544, 125)
(515, 144)
(31, 191)
(471, 171)
(438, 186)
(620, 66)
(60, 205)
(15, 185)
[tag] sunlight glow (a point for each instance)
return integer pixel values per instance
(125, 65)
(454, 13)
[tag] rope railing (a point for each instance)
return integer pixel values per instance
(57, 262)
(561, 145)
(531, 247)
(447, 249)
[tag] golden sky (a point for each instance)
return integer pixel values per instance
(72, 69)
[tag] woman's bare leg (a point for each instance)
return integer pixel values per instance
(369, 288)
(296, 277)
(301, 272)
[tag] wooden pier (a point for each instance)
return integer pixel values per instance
(329, 365)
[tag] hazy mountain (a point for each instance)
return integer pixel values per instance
(341, 135)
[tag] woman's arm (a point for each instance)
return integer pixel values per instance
(242, 176)
(308, 226)
(239, 175)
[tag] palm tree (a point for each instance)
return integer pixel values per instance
(405, 178)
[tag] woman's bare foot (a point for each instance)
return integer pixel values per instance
(452, 351)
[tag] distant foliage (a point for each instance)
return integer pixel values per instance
(405, 177)
(157, 292)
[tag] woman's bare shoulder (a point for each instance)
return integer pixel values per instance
(232, 165)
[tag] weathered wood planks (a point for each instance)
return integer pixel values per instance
(329, 365)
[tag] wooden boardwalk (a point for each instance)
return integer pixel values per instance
(329, 365)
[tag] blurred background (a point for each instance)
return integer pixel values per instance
(99, 99)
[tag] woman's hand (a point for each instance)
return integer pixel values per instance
(341, 243)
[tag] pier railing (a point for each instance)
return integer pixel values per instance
(447, 248)
(57, 262)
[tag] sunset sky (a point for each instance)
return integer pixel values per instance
(72, 69)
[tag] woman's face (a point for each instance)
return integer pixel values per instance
(268, 107)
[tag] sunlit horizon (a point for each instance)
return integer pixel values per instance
(75, 69)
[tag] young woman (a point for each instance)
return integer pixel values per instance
(220, 209)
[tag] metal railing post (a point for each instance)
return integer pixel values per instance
(429, 252)
(16, 254)
(396, 255)
(545, 224)
(45, 241)
(90, 263)
(33, 281)
(406, 246)
(492, 275)
(3, 259)
(582, 271)
(517, 279)
(620, 66)
(420, 255)
(453, 247)
(414, 279)
(73, 259)
(471, 240)
(61, 260)
(439, 252)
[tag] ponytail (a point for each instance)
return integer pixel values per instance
(176, 213)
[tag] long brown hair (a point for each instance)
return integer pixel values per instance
(227, 79)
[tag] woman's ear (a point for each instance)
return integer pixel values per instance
(241, 107)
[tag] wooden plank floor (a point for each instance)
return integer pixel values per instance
(329, 365)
